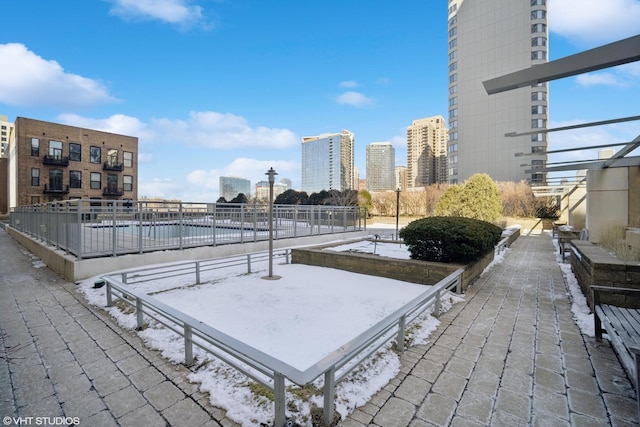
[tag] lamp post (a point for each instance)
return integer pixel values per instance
(397, 212)
(272, 178)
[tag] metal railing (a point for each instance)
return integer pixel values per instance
(88, 228)
(262, 367)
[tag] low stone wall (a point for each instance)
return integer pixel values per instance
(421, 272)
(594, 265)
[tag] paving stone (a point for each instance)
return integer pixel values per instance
(164, 395)
(476, 406)
(108, 384)
(124, 401)
(185, 413)
(413, 389)
(586, 404)
(450, 385)
(437, 409)
(144, 416)
(515, 404)
(146, 378)
(395, 412)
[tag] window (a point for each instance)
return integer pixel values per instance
(538, 149)
(128, 159)
(538, 109)
(112, 157)
(453, 101)
(538, 123)
(96, 180)
(55, 179)
(453, 89)
(538, 137)
(35, 177)
(453, 78)
(538, 41)
(453, 43)
(538, 28)
(453, 112)
(55, 150)
(75, 179)
(454, 31)
(538, 96)
(95, 156)
(538, 14)
(127, 182)
(75, 152)
(453, 66)
(453, 55)
(538, 54)
(35, 200)
(453, 124)
(112, 183)
(35, 147)
(453, 20)
(538, 2)
(453, 148)
(453, 136)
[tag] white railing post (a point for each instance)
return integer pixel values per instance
(329, 399)
(139, 313)
(402, 323)
(436, 306)
(188, 345)
(249, 263)
(197, 272)
(279, 403)
(109, 297)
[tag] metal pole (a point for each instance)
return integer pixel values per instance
(272, 175)
(397, 212)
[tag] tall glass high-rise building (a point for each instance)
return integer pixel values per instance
(487, 39)
(327, 162)
(381, 162)
(231, 186)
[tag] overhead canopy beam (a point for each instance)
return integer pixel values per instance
(600, 164)
(578, 126)
(610, 55)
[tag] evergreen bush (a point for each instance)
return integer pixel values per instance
(450, 239)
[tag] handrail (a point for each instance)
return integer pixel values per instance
(334, 366)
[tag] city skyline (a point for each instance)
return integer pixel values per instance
(229, 88)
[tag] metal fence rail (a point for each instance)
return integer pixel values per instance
(88, 228)
(258, 365)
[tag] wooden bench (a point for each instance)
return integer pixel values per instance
(622, 326)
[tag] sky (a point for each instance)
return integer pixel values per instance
(229, 87)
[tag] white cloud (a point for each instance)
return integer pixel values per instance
(590, 23)
(355, 99)
(28, 80)
(251, 169)
(349, 83)
(206, 129)
(605, 79)
(179, 12)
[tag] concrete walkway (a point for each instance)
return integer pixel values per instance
(509, 355)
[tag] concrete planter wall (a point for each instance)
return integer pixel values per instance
(421, 272)
(594, 265)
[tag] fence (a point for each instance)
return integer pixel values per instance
(259, 366)
(88, 228)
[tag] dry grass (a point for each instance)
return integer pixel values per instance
(614, 240)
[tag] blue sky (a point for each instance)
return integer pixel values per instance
(229, 87)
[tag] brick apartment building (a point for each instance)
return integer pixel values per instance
(50, 161)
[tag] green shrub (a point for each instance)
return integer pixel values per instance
(477, 198)
(450, 239)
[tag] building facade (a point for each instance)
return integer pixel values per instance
(381, 162)
(489, 38)
(327, 162)
(401, 177)
(50, 161)
(262, 189)
(427, 152)
(231, 186)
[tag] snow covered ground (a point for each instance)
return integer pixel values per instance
(299, 318)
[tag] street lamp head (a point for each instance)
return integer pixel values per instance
(272, 175)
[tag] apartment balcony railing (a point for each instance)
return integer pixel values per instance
(56, 189)
(112, 191)
(110, 166)
(55, 160)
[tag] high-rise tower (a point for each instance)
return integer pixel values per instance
(427, 152)
(381, 164)
(489, 38)
(327, 162)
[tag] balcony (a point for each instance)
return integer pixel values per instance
(111, 166)
(112, 191)
(56, 189)
(55, 160)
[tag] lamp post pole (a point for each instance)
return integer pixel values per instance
(397, 212)
(272, 177)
